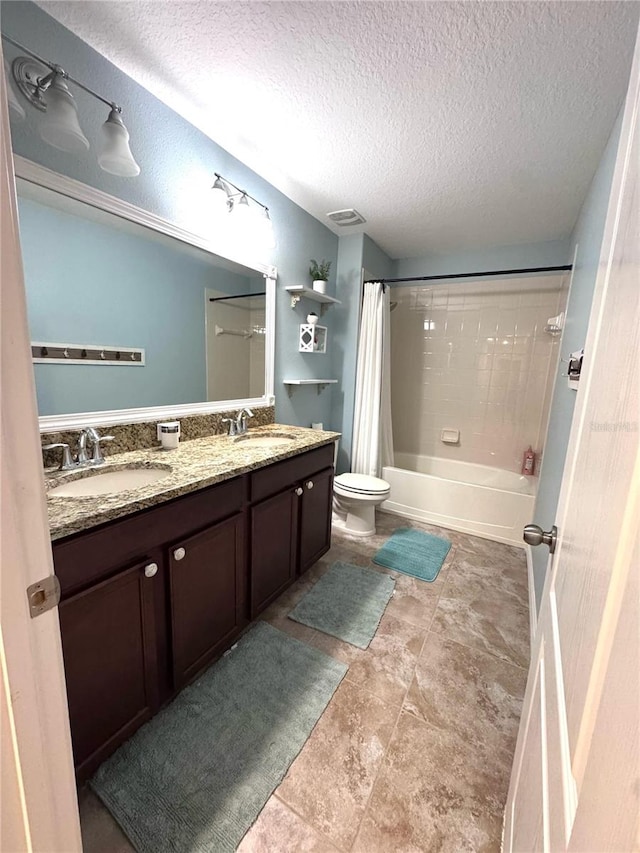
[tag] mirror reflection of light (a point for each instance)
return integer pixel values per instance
(219, 198)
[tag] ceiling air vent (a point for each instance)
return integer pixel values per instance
(346, 217)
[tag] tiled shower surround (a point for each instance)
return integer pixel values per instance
(474, 357)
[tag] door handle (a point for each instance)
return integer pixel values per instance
(179, 554)
(535, 535)
(298, 491)
(310, 484)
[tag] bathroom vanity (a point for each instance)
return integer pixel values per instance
(159, 580)
(154, 595)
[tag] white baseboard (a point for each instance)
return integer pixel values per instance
(533, 613)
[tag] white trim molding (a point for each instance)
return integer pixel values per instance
(79, 420)
(43, 177)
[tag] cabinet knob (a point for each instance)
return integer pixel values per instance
(179, 554)
(309, 484)
(150, 570)
(298, 491)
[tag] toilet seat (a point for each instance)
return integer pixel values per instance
(360, 484)
(355, 498)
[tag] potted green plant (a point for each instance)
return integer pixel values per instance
(319, 273)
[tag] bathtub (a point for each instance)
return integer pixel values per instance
(476, 499)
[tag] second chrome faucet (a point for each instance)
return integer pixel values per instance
(238, 425)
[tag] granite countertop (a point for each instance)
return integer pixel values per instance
(193, 465)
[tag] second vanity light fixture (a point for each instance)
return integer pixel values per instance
(44, 85)
(246, 210)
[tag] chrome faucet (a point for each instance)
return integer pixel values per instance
(238, 425)
(82, 459)
(92, 435)
(241, 420)
(81, 456)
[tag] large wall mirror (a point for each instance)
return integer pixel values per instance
(133, 321)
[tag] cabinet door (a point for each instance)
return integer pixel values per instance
(315, 520)
(274, 524)
(108, 642)
(206, 577)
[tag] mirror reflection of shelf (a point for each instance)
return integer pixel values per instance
(298, 291)
(313, 338)
(320, 383)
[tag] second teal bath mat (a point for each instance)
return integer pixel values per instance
(347, 602)
(413, 552)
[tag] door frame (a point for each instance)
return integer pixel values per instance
(39, 802)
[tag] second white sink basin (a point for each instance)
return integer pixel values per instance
(109, 482)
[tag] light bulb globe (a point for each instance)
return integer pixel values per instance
(115, 154)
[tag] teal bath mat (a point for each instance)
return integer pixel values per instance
(413, 552)
(196, 776)
(347, 602)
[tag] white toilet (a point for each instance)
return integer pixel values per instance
(355, 498)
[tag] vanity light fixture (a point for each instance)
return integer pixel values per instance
(15, 107)
(43, 84)
(245, 209)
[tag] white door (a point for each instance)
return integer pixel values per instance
(575, 783)
(38, 804)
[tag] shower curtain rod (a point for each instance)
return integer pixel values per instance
(239, 296)
(564, 268)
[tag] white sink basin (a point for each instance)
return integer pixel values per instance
(265, 440)
(109, 482)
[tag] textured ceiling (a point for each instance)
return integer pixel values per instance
(448, 125)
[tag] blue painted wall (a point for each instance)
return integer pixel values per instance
(91, 283)
(344, 342)
(547, 254)
(587, 237)
(355, 253)
(177, 163)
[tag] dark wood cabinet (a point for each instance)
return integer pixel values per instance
(315, 518)
(109, 647)
(150, 600)
(206, 595)
(274, 525)
(290, 529)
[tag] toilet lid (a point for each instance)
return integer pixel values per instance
(362, 484)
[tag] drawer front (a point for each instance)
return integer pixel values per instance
(85, 558)
(279, 476)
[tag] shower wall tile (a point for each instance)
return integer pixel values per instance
(474, 357)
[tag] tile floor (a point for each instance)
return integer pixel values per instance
(414, 751)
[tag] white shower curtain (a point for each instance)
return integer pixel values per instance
(372, 433)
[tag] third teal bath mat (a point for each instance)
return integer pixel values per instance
(347, 602)
(413, 552)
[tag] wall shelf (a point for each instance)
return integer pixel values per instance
(320, 383)
(298, 291)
